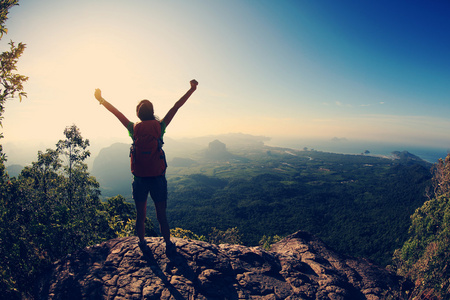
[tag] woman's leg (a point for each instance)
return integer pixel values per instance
(141, 211)
(140, 193)
(160, 208)
(159, 196)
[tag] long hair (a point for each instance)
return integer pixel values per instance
(144, 111)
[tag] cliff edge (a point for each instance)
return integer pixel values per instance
(299, 267)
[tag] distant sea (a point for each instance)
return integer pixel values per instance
(430, 154)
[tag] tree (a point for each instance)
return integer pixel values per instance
(73, 148)
(11, 86)
(31, 223)
(441, 178)
(11, 82)
(50, 210)
(425, 256)
(80, 192)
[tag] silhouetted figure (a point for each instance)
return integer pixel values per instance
(148, 161)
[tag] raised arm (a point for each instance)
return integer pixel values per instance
(111, 108)
(171, 113)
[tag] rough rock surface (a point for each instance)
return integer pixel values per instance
(298, 267)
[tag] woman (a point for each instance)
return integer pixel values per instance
(149, 182)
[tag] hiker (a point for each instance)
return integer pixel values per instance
(148, 161)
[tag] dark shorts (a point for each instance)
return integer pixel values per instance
(156, 186)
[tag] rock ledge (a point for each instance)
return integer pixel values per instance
(298, 267)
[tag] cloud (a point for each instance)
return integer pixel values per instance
(372, 104)
(339, 103)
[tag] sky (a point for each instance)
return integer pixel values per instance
(351, 70)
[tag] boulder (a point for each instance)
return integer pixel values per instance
(298, 267)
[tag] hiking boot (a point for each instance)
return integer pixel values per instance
(142, 244)
(144, 247)
(171, 249)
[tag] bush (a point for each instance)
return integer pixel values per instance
(425, 256)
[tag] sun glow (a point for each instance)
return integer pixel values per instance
(86, 63)
(259, 73)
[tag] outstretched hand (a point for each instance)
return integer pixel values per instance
(98, 94)
(194, 84)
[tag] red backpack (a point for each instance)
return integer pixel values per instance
(146, 153)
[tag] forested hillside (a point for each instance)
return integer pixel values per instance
(360, 205)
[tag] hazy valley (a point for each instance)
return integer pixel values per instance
(359, 204)
(236, 188)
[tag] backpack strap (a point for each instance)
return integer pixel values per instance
(163, 156)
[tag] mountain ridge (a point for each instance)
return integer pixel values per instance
(111, 165)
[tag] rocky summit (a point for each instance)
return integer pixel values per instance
(300, 266)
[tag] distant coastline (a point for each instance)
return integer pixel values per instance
(25, 153)
(429, 154)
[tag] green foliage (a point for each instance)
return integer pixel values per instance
(121, 218)
(441, 177)
(120, 227)
(52, 209)
(186, 234)
(267, 241)
(5, 6)
(425, 256)
(229, 236)
(12, 242)
(216, 236)
(11, 82)
(48, 213)
(359, 205)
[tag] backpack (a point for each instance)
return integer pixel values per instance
(147, 157)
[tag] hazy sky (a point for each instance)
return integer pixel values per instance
(375, 70)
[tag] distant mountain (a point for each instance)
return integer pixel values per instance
(112, 169)
(409, 158)
(112, 165)
(14, 170)
(232, 140)
(217, 151)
